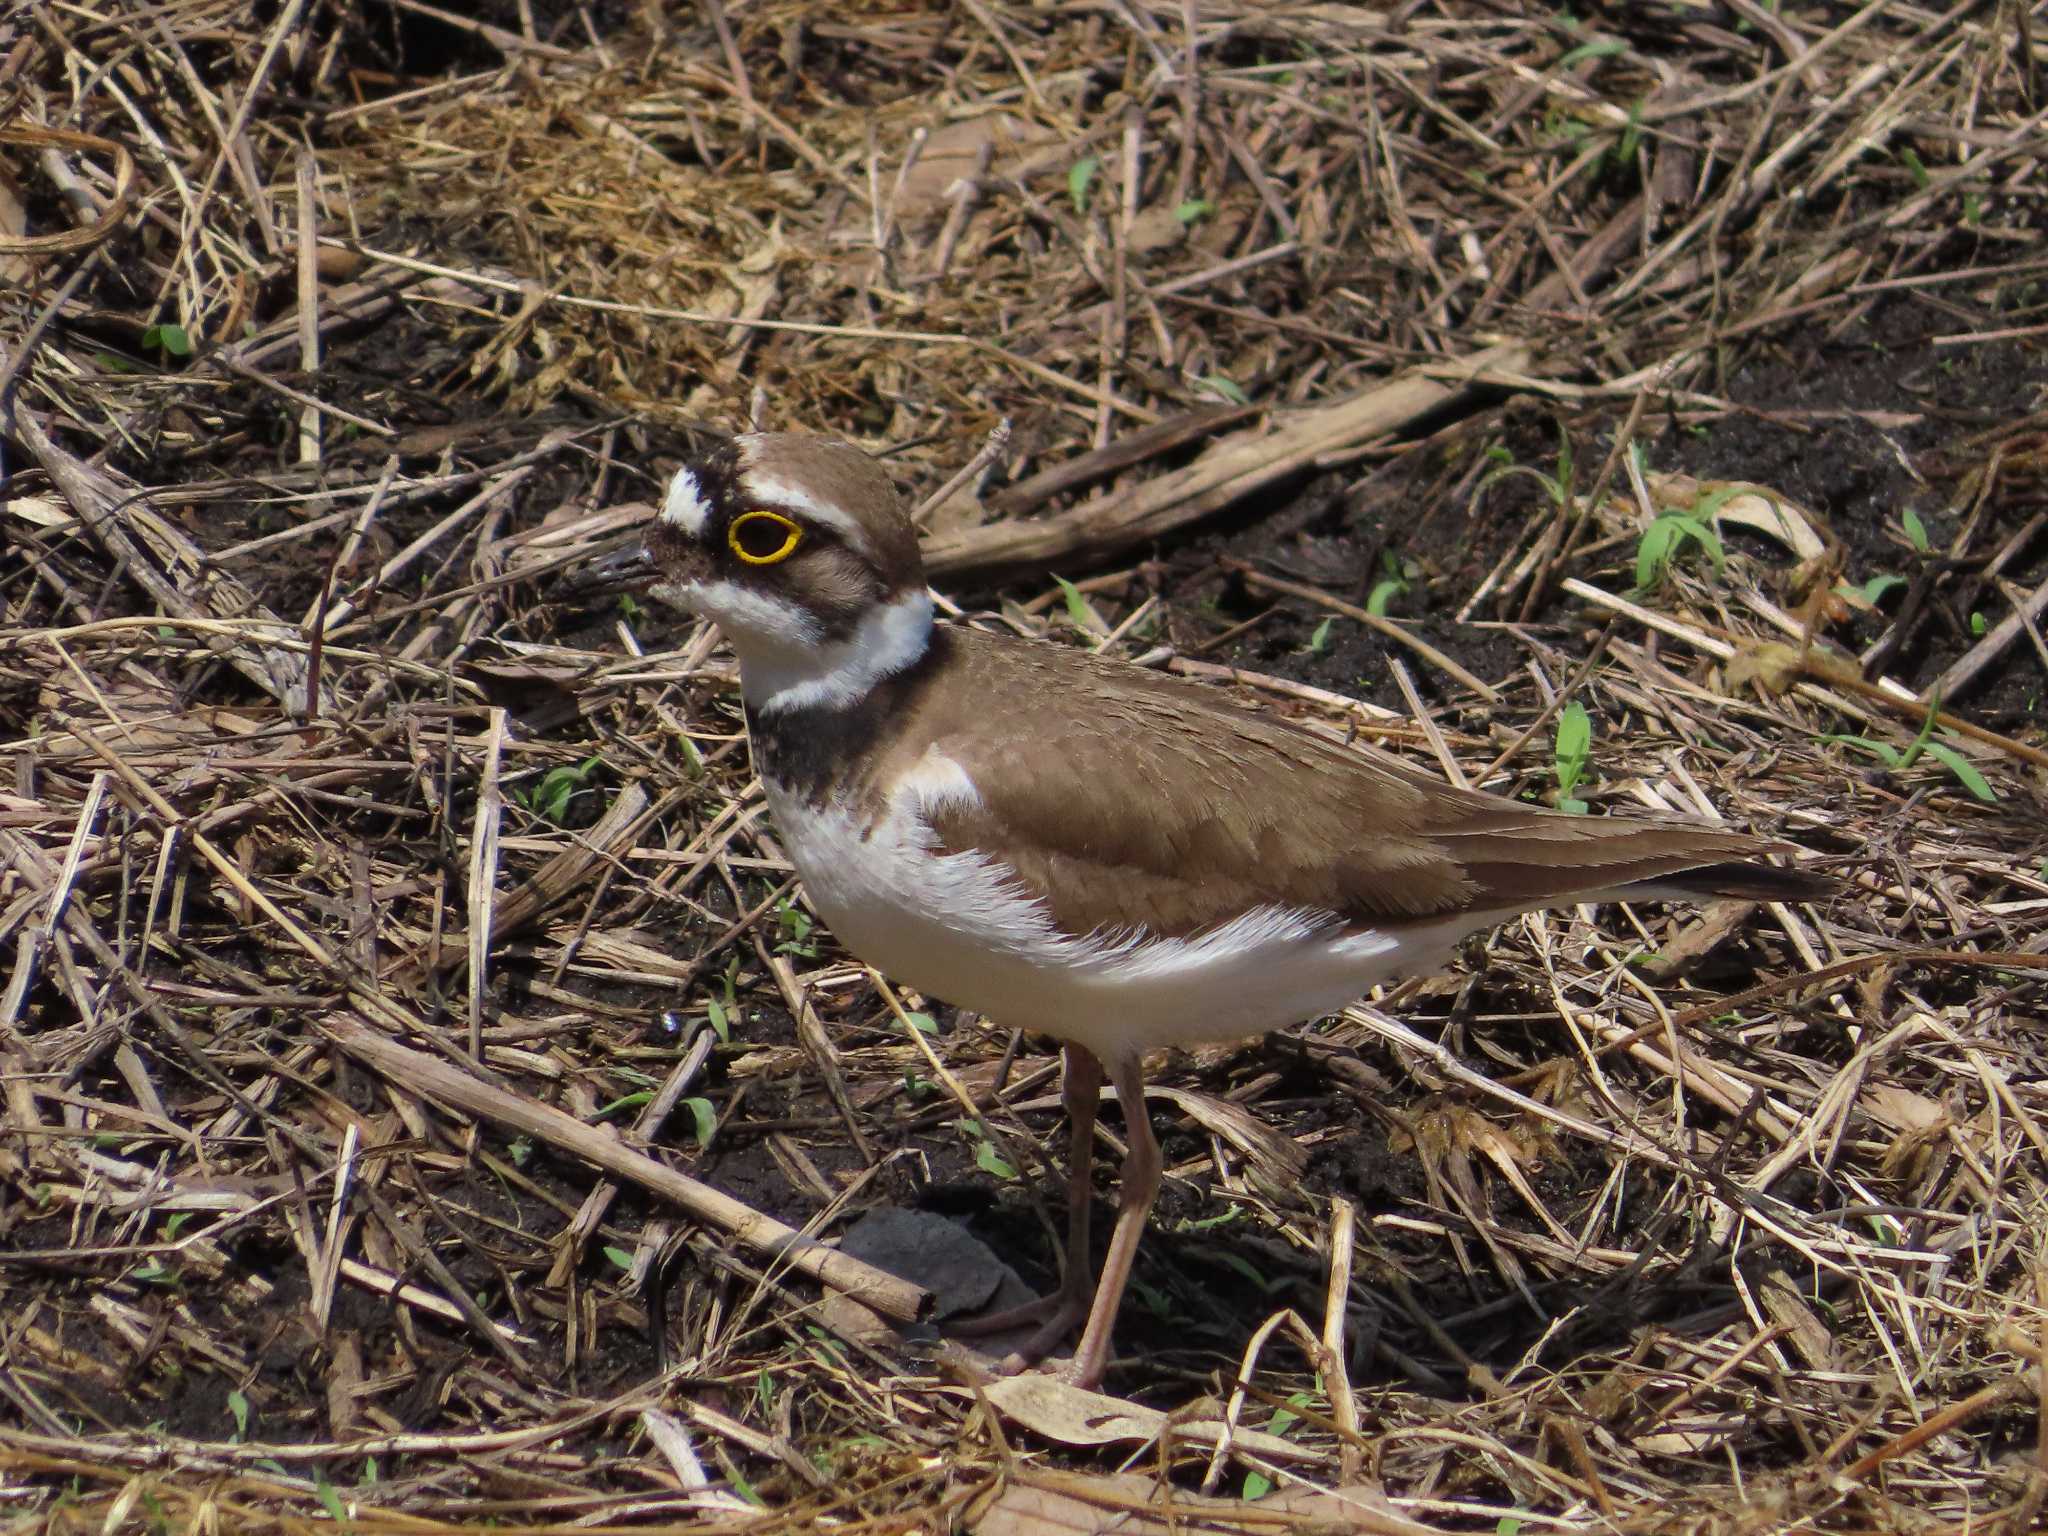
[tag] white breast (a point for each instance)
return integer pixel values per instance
(957, 927)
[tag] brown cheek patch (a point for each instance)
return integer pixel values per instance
(837, 589)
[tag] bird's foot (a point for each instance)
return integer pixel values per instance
(1040, 1309)
(1053, 1320)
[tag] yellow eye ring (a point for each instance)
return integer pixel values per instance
(748, 526)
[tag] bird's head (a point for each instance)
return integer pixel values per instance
(800, 550)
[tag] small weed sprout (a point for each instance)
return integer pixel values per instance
(796, 926)
(1393, 583)
(1557, 487)
(1924, 743)
(168, 340)
(1080, 178)
(549, 799)
(1915, 530)
(1667, 537)
(1574, 750)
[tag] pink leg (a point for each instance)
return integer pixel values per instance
(1059, 1313)
(1142, 1168)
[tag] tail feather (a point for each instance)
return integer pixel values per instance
(1750, 882)
(1555, 862)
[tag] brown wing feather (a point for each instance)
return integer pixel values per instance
(1144, 802)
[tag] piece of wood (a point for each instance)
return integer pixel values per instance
(458, 1089)
(1230, 470)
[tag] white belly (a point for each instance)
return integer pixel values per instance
(954, 927)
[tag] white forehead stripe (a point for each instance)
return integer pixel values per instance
(767, 490)
(686, 507)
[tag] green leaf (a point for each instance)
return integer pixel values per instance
(1965, 771)
(1080, 177)
(1244, 1267)
(171, 340)
(1600, 48)
(624, 1101)
(1916, 531)
(620, 1257)
(238, 1406)
(1883, 751)
(330, 1501)
(705, 1117)
(923, 1023)
(1574, 746)
(1653, 552)
(1914, 168)
(1256, 1486)
(1978, 623)
(1077, 607)
(988, 1160)
(1194, 208)
(1874, 590)
(1690, 527)
(721, 1026)
(1319, 638)
(1383, 592)
(1227, 388)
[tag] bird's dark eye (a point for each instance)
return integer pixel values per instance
(762, 538)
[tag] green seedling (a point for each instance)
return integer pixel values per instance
(703, 1120)
(1673, 531)
(1557, 487)
(1080, 178)
(1194, 208)
(168, 341)
(1256, 1484)
(549, 799)
(1875, 590)
(797, 927)
(1572, 753)
(1916, 531)
(1319, 639)
(330, 1499)
(1924, 743)
(1226, 389)
(1393, 583)
(1079, 613)
(1666, 539)
(622, 1103)
(986, 1158)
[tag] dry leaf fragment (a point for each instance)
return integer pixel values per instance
(1043, 1503)
(1055, 1410)
(1771, 668)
